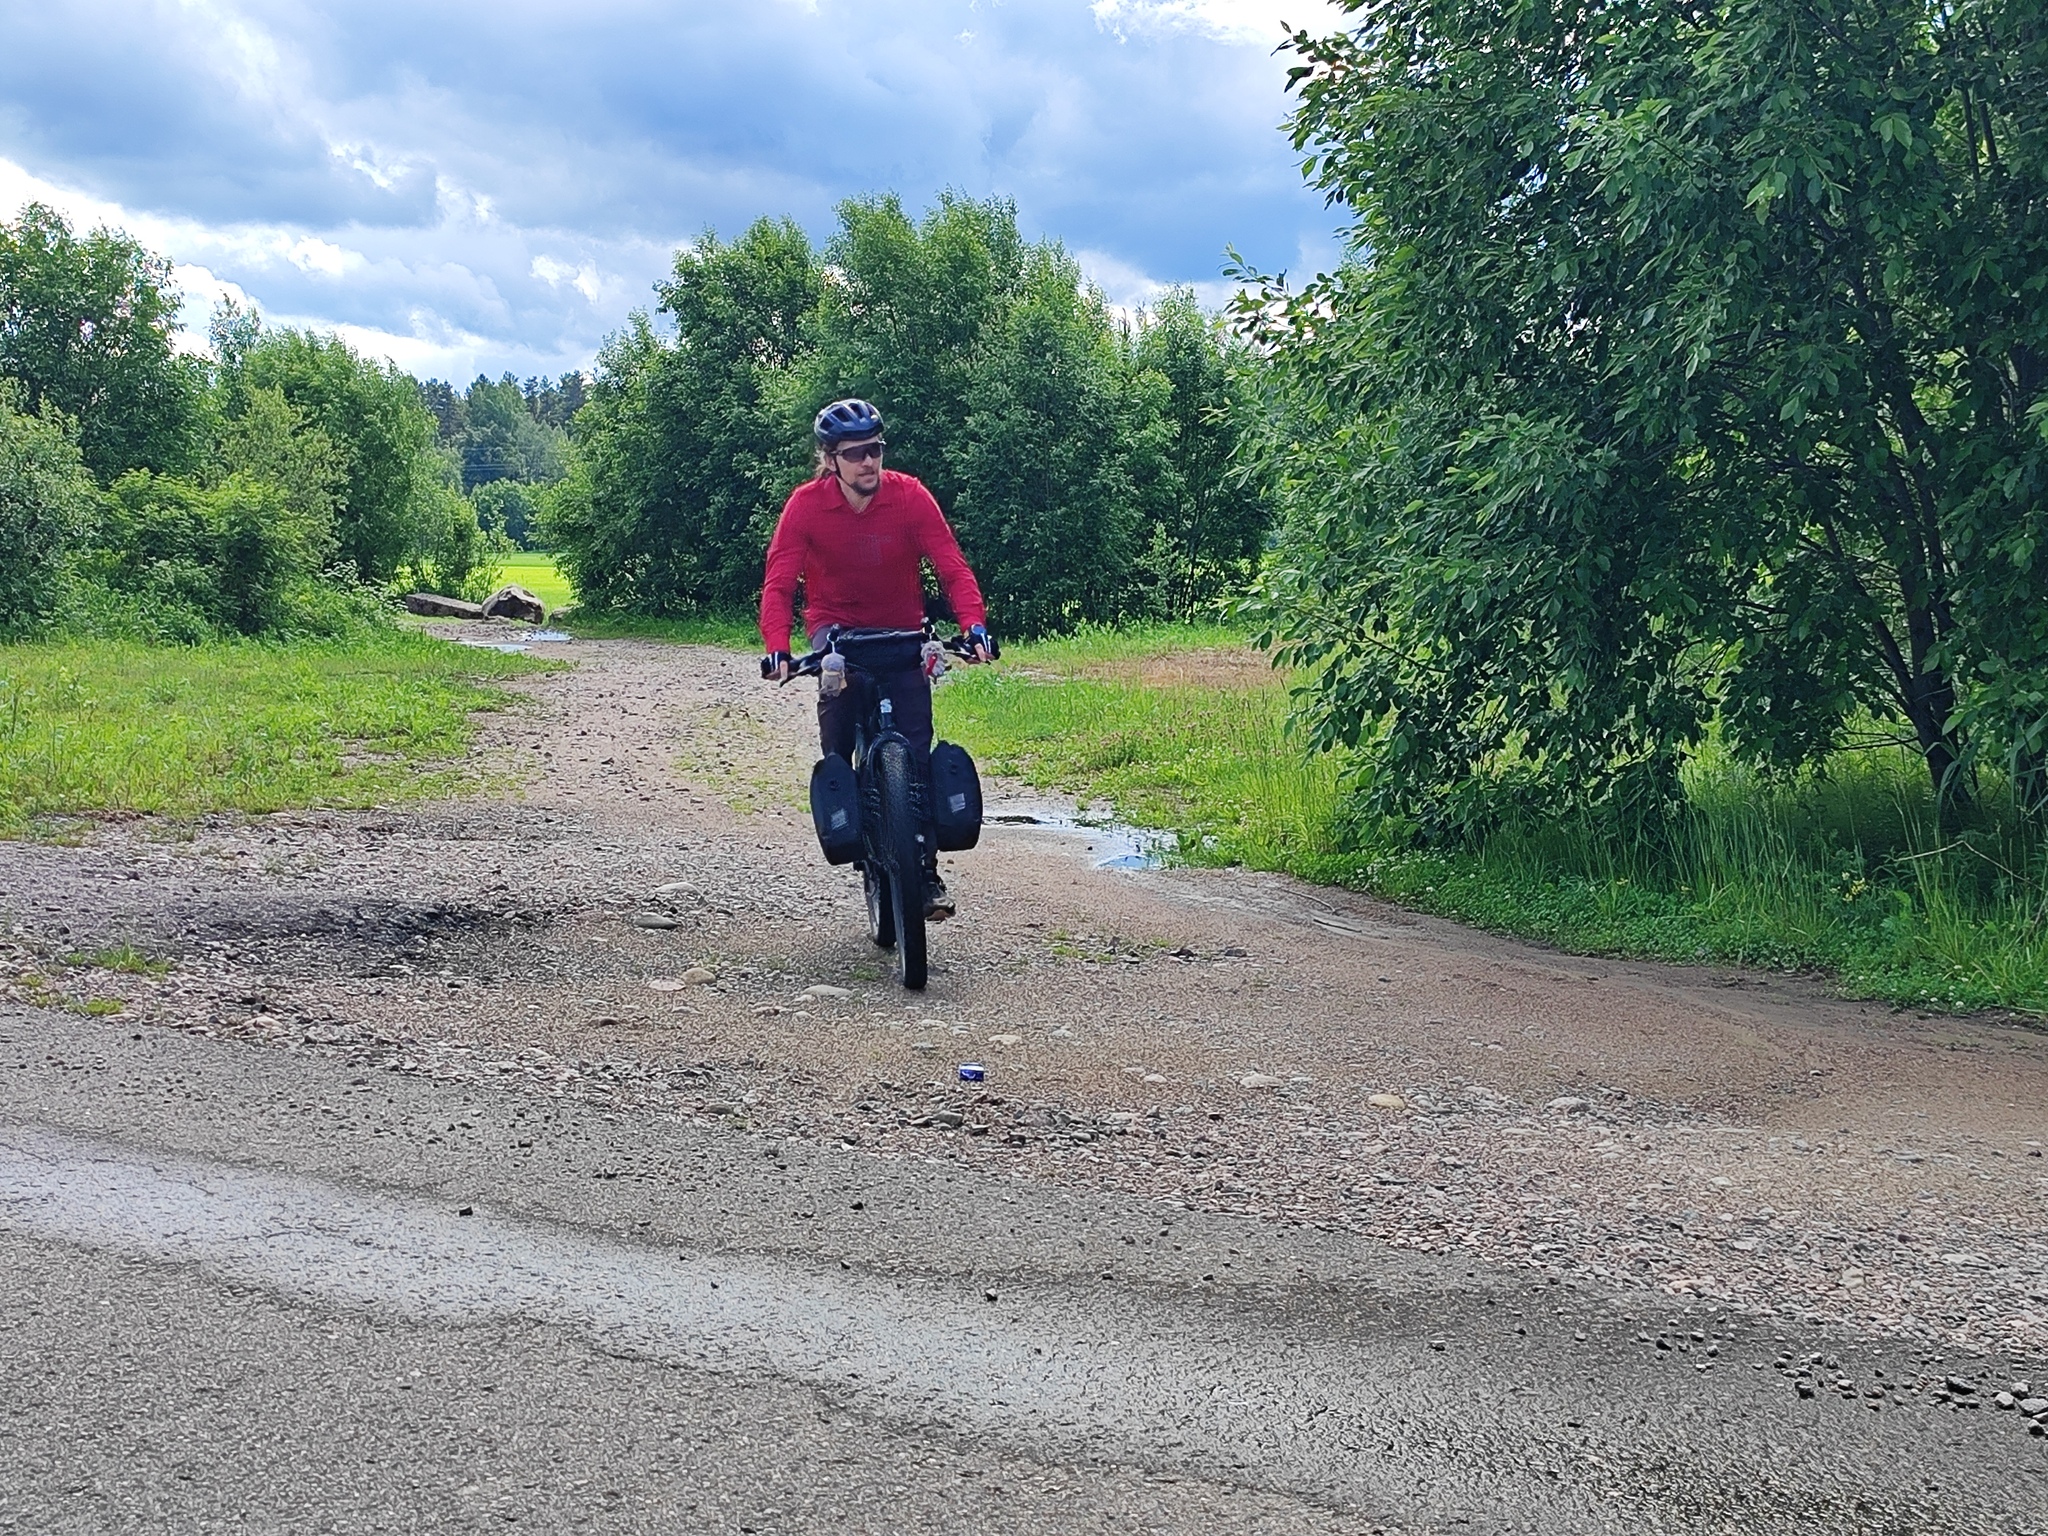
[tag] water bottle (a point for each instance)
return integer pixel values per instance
(932, 660)
(832, 675)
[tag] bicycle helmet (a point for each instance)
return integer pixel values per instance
(843, 421)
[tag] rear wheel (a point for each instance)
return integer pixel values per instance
(904, 851)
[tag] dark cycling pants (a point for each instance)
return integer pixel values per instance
(910, 698)
(910, 701)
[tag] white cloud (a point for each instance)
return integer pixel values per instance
(464, 196)
(1269, 22)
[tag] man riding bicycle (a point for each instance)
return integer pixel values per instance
(855, 535)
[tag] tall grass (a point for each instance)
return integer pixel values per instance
(1842, 871)
(92, 726)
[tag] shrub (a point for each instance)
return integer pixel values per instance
(47, 511)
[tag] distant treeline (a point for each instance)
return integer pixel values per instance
(148, 492)
(1084, 459)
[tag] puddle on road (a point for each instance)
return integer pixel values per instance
(1110, 844)
(519, 646)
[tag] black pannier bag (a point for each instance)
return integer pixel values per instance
(835, 809)
(956, 797)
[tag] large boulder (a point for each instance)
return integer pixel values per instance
(433, 605)
(515, 603)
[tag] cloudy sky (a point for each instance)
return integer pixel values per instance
(466, 186)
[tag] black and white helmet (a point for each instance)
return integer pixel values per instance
(844, 421)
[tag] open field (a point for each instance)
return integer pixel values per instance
(89, 728)
(536, 571)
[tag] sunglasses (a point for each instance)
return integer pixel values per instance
(860, 453)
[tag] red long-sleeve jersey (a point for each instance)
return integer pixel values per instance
(861, 568)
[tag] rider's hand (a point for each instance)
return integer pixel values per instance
(982, 645)
(775, 666)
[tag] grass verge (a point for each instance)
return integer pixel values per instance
(91, 727)
(1185, 729)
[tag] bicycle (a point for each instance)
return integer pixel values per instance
(895, 826)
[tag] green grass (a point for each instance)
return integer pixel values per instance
(91, 727)
(1185, 729)
(538, 573)
(732, 633)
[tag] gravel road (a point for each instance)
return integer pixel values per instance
(1474, 1232)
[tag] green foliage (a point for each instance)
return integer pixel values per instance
(501, 438)
(94, 726)
(228, 558)
(509, 507)
(396, 504)
(1688, 367)
(1185, 729)
(1210, 518)
(685, 450)
(1057, 440)
(86, 329)
(48, 509)
(1083, 462)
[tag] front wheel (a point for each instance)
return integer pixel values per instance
(903, 848)
(881, 906)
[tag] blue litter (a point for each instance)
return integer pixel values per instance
(970, 1072)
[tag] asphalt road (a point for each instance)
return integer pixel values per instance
(262, 1289)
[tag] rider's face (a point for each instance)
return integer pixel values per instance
(863, 474)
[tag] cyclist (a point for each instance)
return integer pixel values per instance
(855, 535)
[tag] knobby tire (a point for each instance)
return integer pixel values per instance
(905, 857)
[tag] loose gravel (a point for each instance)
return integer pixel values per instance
(647, 922)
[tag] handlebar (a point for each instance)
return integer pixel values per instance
(961, 645)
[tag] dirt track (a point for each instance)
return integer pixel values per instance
(1698, 1136)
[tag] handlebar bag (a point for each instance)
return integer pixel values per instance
(956, 797)
(835, 809)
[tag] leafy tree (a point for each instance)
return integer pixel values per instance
(908, 318)
(685, 449)
(265, 439)
(1049, 456)
(396, 505)
(87, 328)
(48, 509)
(1209, 520)
(1688, 365)
(509, 508)
(503, 440)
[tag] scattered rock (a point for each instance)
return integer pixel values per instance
(433, 605)
(1567, 1104)
(512, 602)
(950, 1119)
(676, 888)
(666, 984)
(1260, 1080)
(1152, 1077)
(2034, 1407)
(1005, 1039)
(922, 1045)
(821, 990)
(699, 976)
(656, 920)
(1387, 1101)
